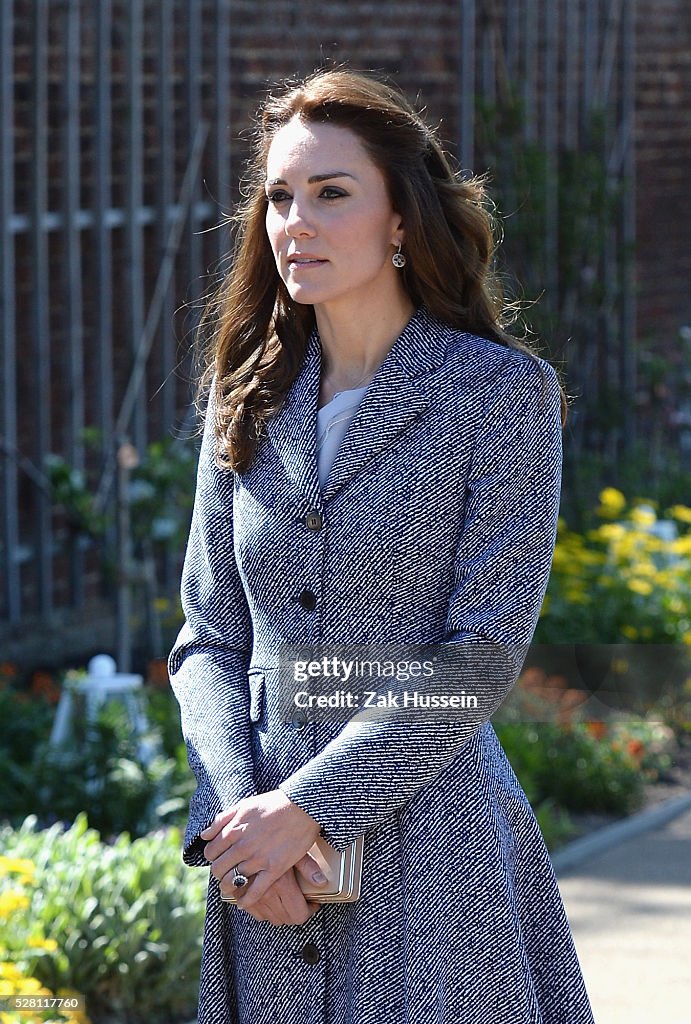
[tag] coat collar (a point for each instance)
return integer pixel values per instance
(391, 403)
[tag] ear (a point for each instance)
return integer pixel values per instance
(398, 235)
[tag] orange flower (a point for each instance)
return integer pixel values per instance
(43, 685)
(597, 729)
(533, 679)
(636, 749)
(8, 674)
(557, 682)
(569, 700)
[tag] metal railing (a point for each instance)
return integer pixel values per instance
(90, 202)
(100, 106)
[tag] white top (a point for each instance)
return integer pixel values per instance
(332, 424)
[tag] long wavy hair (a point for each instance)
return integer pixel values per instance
(254, 336)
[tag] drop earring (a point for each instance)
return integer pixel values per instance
(398, 259)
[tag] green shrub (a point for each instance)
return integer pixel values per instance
(101, 772)
(555, 823)
(572, 767)
(23, 725)
(626, 579)
(120, 924)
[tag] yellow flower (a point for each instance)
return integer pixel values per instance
(612, 502)
(592, 557)
(32, 987)
(75, 1016)
(629, 546)
(22, 865)
(681, 512)
(611, 532)
(12, 901)
(39, 942)
(644, 567)
(560, 557)
(642, 515)
(9, 971)
(640, 586)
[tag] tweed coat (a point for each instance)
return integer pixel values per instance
(437, 525)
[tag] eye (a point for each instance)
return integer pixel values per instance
(277, 195)
(332, 192)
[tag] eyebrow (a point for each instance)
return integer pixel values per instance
(315, 178)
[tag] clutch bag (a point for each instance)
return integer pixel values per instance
(343, 870)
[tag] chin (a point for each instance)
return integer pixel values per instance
(302, 300)
(309, 296)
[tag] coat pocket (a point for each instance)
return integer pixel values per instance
(257, 695)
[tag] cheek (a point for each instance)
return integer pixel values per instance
(374, 229)
(273, 231)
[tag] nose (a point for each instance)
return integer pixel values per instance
(296, 222)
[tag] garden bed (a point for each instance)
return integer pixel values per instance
(675, 782)
(120, 919)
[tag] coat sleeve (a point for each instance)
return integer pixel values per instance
(208, 663)
(501, 569)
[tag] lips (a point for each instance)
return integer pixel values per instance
(304, 260)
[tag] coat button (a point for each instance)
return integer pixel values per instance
(299, 720)
(308, 600)
(314, 521)
(310, 953)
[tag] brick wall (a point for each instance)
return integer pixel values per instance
(270, 40)
(663, 170)
(417, 42)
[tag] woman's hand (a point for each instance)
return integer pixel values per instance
(284, 903)
(263, 836)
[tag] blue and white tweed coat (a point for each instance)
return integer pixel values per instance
(439, 520)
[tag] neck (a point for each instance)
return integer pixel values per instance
(356, 341)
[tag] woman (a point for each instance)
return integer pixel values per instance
(381, 464)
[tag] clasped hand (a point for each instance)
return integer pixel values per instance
(269, 836)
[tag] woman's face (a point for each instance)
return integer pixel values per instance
(329, 217)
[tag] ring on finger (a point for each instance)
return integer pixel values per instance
(238, 878)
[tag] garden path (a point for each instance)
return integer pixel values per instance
(630, 912)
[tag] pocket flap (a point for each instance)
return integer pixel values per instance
(256, 683)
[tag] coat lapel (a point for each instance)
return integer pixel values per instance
(393, 400)
(293, 431)
(390, 404)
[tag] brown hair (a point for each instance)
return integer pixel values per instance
(258, 334)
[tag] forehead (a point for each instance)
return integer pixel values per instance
(304, 148)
